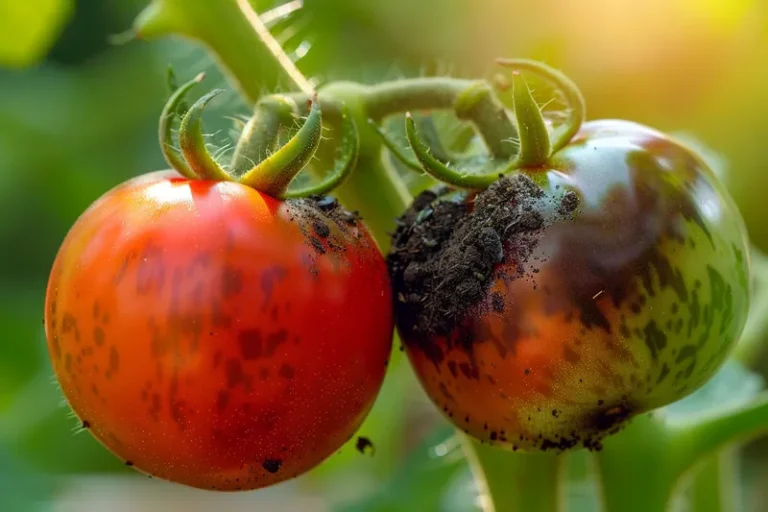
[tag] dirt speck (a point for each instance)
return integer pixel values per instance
(364, 445)
(272, 465)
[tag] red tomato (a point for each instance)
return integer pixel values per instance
(211, 335)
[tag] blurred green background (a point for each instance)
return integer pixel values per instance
(78, 115)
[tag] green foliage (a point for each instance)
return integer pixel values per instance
(28, 29)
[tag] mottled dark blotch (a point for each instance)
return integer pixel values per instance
(231, 282)
(250, 344)
(286, 371)
(114, 360)
(98, 336)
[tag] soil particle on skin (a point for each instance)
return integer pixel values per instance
(331, 208)
(316, 216)
(445, 252)
(569, 203)
(364, 445)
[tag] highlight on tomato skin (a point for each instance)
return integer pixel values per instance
(210, 335)
(546, 311)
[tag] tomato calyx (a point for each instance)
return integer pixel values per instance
(275, 170)
(535, 139)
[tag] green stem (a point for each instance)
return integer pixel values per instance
(636, 471)
(374, 189)
(477, 103)
(535, 146)
(192, 142)
(701, 437)
(165, 132)
(714, 486)
(344, 162)
(273, 175)
(396, 150)
(516, 482)
(640, 466)
(439, 170)
(260, 135)
(563, 134)
(237, 38)
(380, 196)
(412, 94)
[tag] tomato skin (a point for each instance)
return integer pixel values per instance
(210, 335)
(627, 305)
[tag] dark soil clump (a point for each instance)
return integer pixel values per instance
(329, 207)
(316, 215)
(445, 251)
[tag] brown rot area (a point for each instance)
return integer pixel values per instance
(447, 248)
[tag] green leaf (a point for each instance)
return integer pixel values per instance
(22, 489)
(28, 29)
(732, 386)
(22, 351)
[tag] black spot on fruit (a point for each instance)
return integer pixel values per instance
(606, 420)
(364, 444)
(272, 465)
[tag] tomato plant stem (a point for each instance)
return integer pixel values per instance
(754, 339)
(511, 482)
(714, 487)
(259, 137)
(222, 28)
(396, 97)
(704, 436)
(635, 469)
